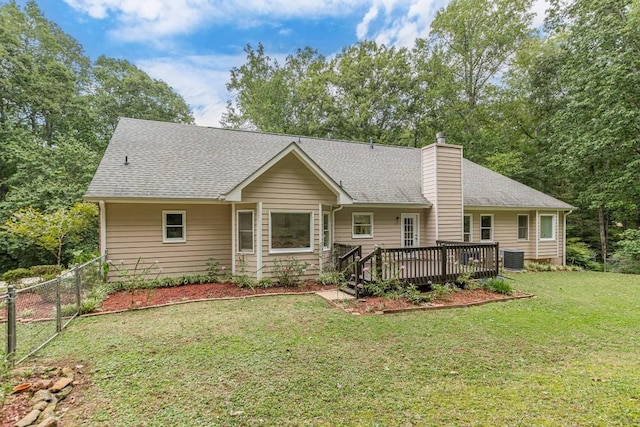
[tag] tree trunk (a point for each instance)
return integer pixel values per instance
(602, 220)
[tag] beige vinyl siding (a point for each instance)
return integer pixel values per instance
(387, 227)
(290, 186)
(135, 231)
(505, 232)
(442, 186)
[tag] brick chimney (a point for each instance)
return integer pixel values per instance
(442, 186)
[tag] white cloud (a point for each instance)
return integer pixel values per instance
(199, 79)
(149, 20)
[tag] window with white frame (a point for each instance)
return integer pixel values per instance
(245, 231)
(174, 228)
(467, 227)
(326, 231)
(523, 227)
(486, 228)
(362, 224)
(547, 227)
(290, 231)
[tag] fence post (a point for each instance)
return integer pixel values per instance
(58, 307)
(76, 272)
(11, 324)
(497, 259)
(443, 263)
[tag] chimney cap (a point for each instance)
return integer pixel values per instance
(441, 138)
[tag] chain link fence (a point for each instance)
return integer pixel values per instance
(34, 315)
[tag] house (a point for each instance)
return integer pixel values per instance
(183, 194)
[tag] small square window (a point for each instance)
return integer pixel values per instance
(362, 224)
(174, 227)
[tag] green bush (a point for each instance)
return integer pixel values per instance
(45, 271)
(265, 282)
(580, 254)
(243, 281)
(499, 286)
(331, 278)
(441, 291)
(68, 310)
(626, 258)
(289, 271)
(89, 305)
(15, 275)
(396, 289)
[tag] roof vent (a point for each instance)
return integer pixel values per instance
(441, 138)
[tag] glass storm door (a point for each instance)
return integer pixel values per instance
(410, 230)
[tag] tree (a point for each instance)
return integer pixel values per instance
(120, 89)
(595, 126)
(52, 231)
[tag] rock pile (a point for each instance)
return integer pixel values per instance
(47, 393)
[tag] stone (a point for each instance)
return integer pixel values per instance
(40, 384)
(67, 372)
(60, 384)
(64, 392)
(40, 406)
(42, 395)
(28, 419)
(49, 422)
(49, 412)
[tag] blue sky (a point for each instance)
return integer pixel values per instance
(192, 44)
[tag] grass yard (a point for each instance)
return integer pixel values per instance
(569, 357)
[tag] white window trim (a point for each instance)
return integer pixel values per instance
(492, 227)
(253, 230)
(518, 228)
(553, 228)
(326, 219)
(292, 250)
(166, 239)
(470, 227)
(361, 236)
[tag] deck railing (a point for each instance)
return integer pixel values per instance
(346, 259)
(423, 266)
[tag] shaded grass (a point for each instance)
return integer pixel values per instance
(567, 357)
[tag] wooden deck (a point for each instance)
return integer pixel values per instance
(421, 266)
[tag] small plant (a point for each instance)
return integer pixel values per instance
(442, 291)
(26, 313)
(136, 278)
(89, 305)
(288, 272)
(499, 286)
(68, 310)
(466, 277)
(265, 282)
(215, 272)
(45, 271)
(331, 278)
(243, 281)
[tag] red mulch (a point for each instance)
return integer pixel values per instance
(125, 300)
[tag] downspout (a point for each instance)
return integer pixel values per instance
(333, 222)
(259, 242)
(233, 238)
(557, 233)
(103, 227)
(564, 248)
(537, 231)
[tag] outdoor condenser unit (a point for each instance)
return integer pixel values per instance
(513, 259)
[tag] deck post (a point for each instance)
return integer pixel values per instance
(443, 262)
(379, 263)
(497, 259)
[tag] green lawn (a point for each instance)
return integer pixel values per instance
(571, 356)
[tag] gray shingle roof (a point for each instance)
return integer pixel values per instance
(176, 161)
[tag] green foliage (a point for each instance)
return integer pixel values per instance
(68, 310)
(52, 231)
(331, 278)
(265, 282)
(15, 275)
(89, 305)
(243, 281)
(439, 291)
(289, 271)
(626, 258)
(396, 289)
(217, 273)
(581, 255)
(45, 270)
(498, 285)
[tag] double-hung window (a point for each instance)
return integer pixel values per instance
(523, 227)
(290, 232)
(467, 226)
(362, 225)
(174, 226)
(245, 231)
(326, 231)
(486, 228)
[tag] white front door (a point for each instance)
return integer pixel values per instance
(410, 230)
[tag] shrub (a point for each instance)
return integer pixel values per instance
(68, 310)
(331, 278)
(626, 258)
(265, 282)
(287, 272)
(396, 289)
(89, 305)
(442, 291)
(499, 286)
(243, 281)
(215, 272)
(15, 275)
(45, 271)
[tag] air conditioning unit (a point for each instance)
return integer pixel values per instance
(513, 259)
